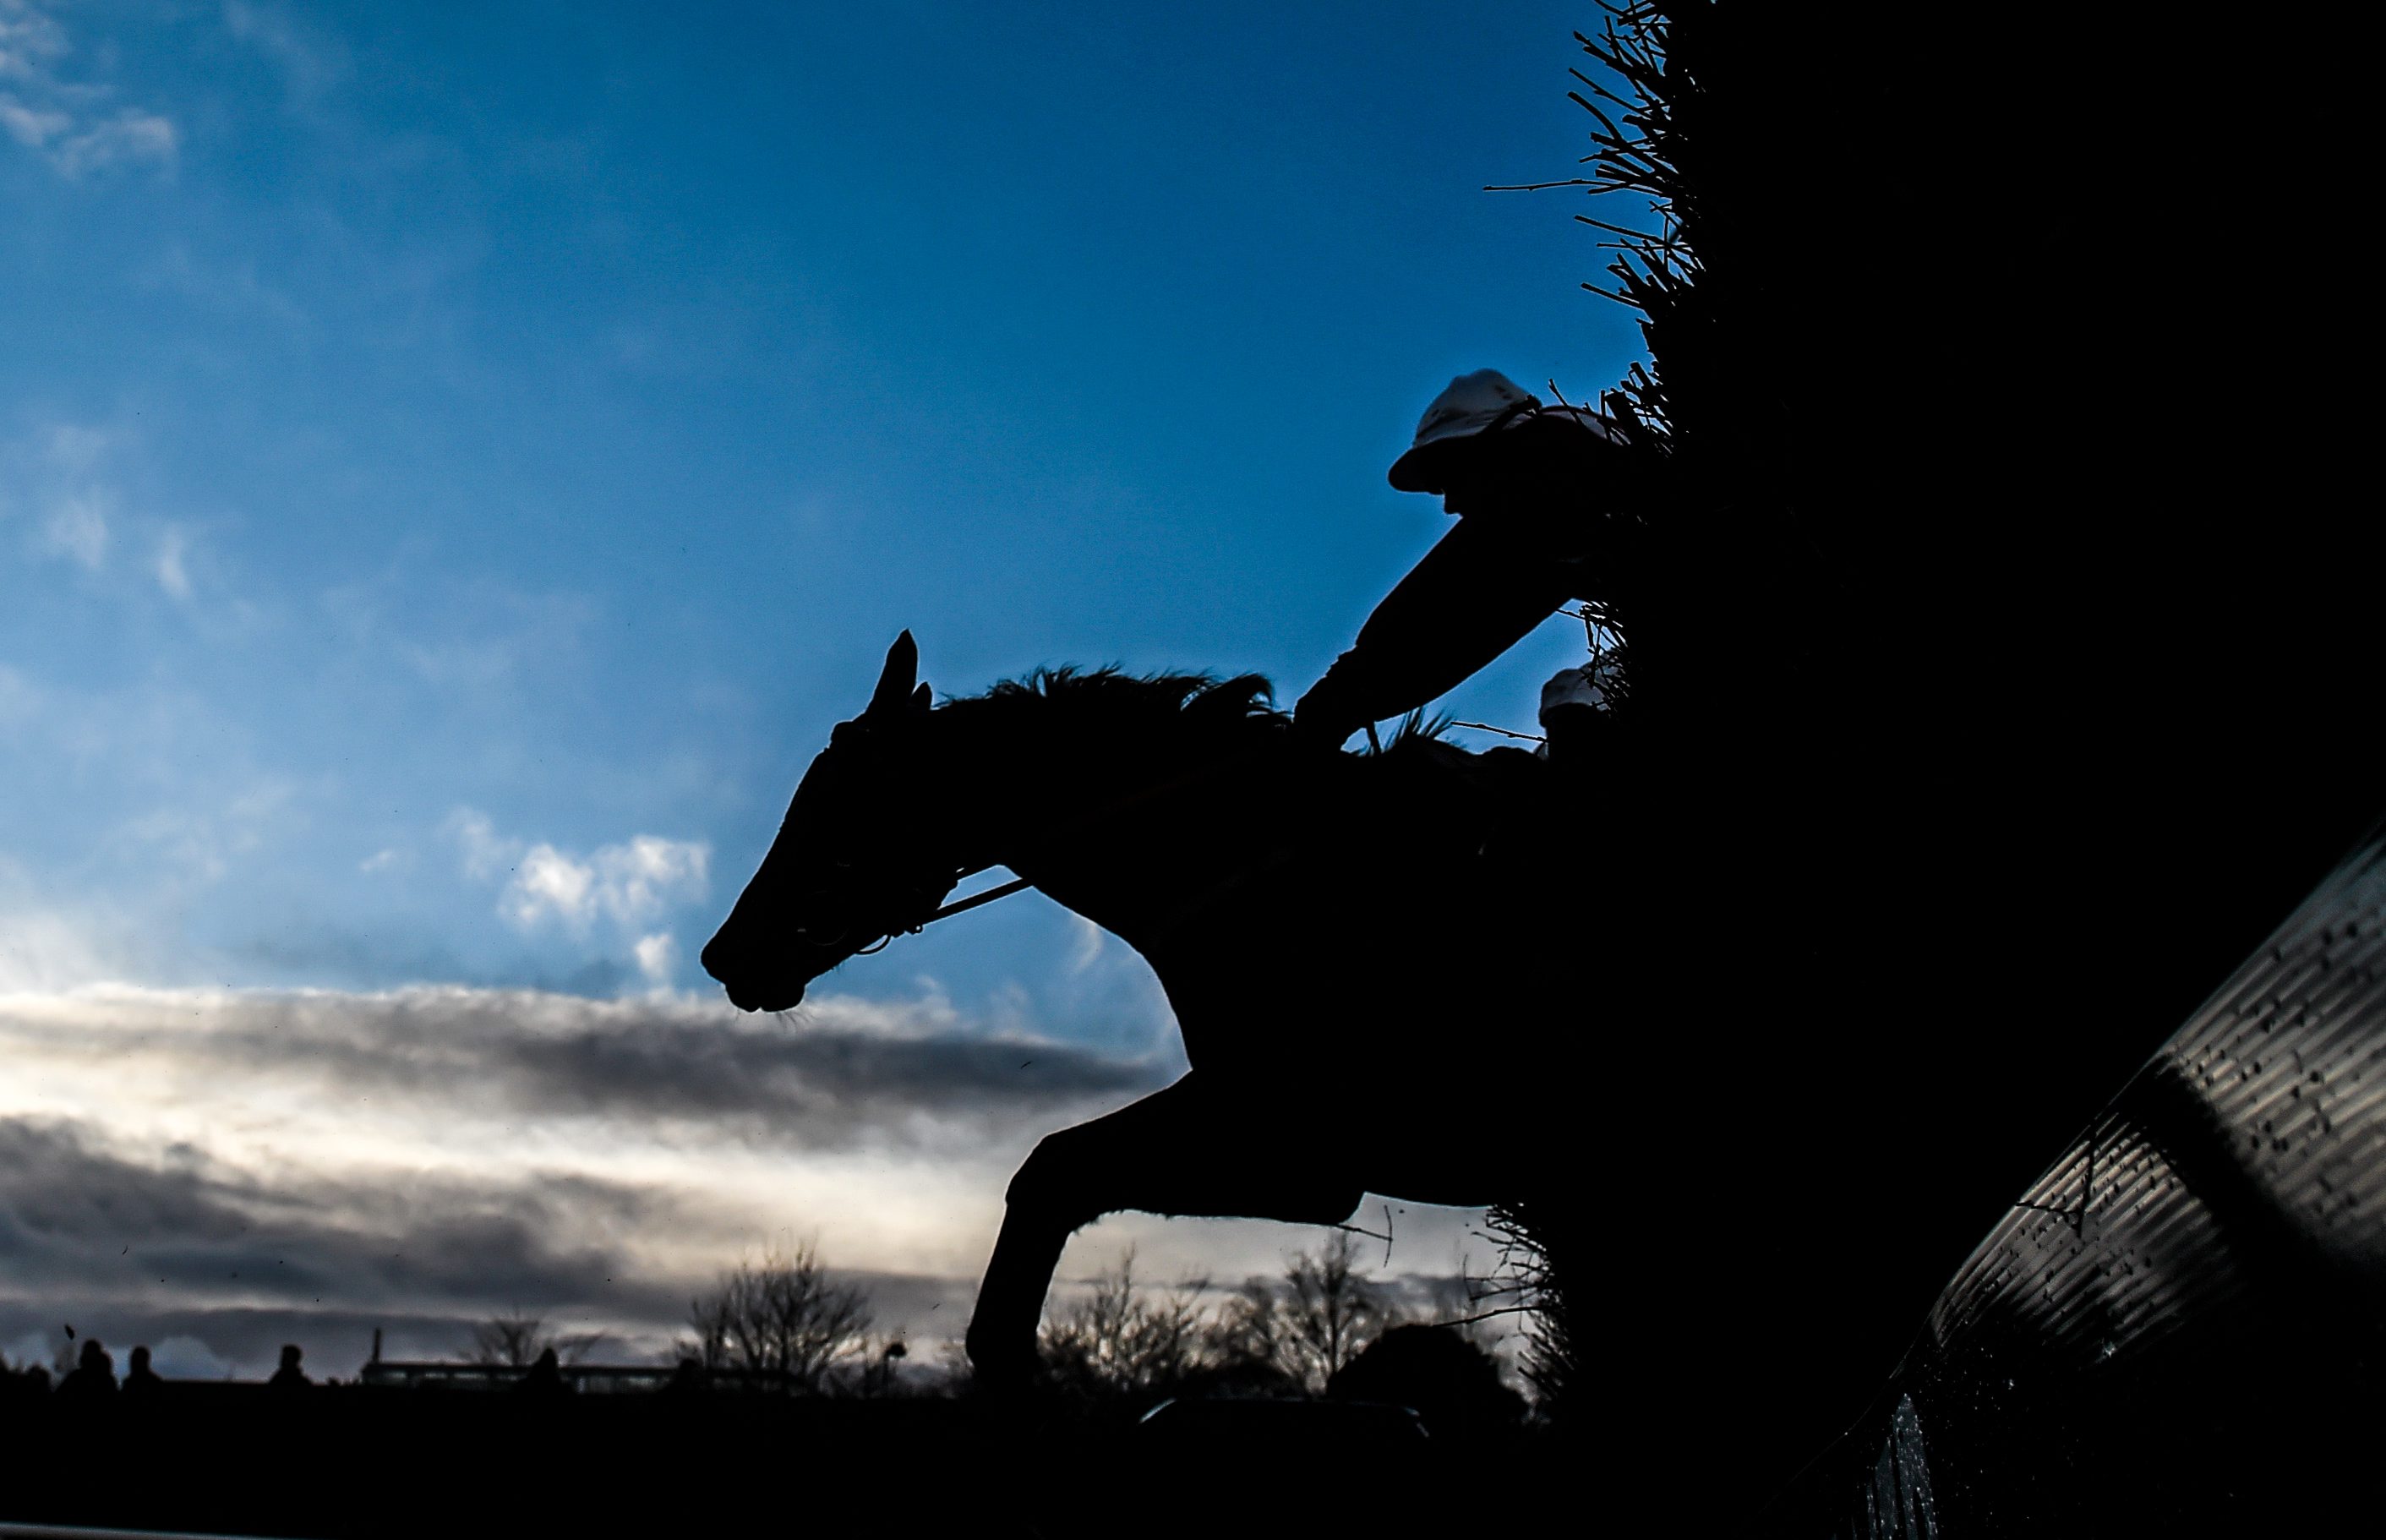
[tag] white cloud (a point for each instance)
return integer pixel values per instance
(29, 126)
(203, 842)
(29, 40)
(310, 63)
(187, 1358)
(632, 883)
(70, 478)
(658, 956)
(485, 854)
(1084, 943)
(171, 575)
(66, 122)
(20, 697)
(130, 137)
(45, 945)
(75, 447)
(629, 885)
(637, 880)
(384, 860)
(76, 529)
(548, 882)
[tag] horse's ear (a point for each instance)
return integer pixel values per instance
(895, 680)
(923, 701)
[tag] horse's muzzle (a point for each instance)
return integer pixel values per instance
(745, 990)
(787, 998)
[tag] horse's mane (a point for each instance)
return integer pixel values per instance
(1237, 709)
(1442, 800)
(1243, 706)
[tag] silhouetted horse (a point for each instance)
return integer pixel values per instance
(1333, 931)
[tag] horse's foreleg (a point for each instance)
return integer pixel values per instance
(1186, 1150)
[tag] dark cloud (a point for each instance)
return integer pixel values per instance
(850, 1074)
(217, 1242)
(131, 1249)
(75, 1212)
(329, 955)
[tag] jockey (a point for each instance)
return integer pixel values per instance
(1548, 500)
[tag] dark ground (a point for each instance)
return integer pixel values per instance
(357, 1461)
(2249, 1428)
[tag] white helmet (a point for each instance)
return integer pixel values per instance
(1472, 404)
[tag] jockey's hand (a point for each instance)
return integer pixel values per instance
(1318, 723)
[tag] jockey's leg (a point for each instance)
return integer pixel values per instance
(1187, 1150)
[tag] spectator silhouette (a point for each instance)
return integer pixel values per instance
(93, 1376)
(289, 1376)
(545, 1376)
(141, 1380)
(24, 1387)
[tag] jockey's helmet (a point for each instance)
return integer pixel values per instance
(1472, 405)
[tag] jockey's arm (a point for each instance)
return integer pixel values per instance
(1476, 594)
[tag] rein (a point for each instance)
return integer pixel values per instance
(962, 905)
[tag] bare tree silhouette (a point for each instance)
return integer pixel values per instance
(1322, 1313)
(1123, 1339)
(781, 1314)
(515, 1338)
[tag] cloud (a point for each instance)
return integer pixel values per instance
(68, 123)
(311, 62)
(186, 1357)
(171, 576)
(20, 697)
(548, 881)
(1084, 943)
(658, 956)
(204, 842)
(76, 529)
(485, 854)
(632, 883)
(68, 1191)
(242, 1168)
(130, 136)
(30, 126)
(30, 40)
(491, 641)
(855, 1073)
(116, 1230)
(71, 477)
(324, 953)
(46, 944)
(74, 446)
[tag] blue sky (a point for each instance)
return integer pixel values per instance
(443, 443)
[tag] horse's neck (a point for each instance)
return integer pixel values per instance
(1072, 811)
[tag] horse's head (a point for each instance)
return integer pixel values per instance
(850, 867)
